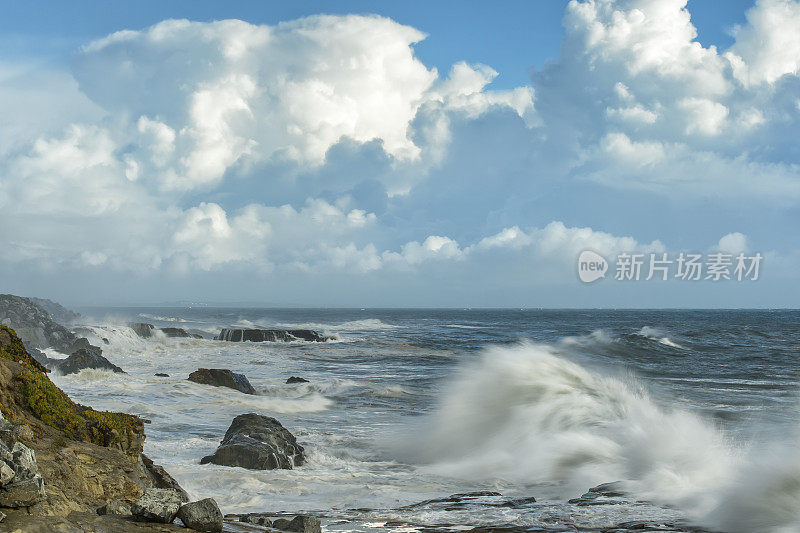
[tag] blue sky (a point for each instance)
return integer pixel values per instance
(396, 153)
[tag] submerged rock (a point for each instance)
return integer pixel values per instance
(270, 335)
(222, 377)
(295, 379)
(157, 505)
(257, 442)
(180, 332)
(203, 515)
(161, 375)
(82, 359)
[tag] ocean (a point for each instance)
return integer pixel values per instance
(695, 413)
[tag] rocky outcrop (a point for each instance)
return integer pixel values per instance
(57, 312)
(83, 344)
(222, 377)
(84, 458)
(33, 324)
(147, 331)
(82, 359)
(203, 515)
(257, 442)
(160, 478)
(143, 330)
(270, 335)
(294, 379)
(157, 505)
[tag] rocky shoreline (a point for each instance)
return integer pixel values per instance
(66, 467)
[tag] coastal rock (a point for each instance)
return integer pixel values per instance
(257, 442)
(281, 523)
(222, 377)
(142, 329)
(83, 344)
(303, 524)
(259, 519)
(157, 505)
(270, 335)
(23, 493)
(203, 515)
(161, 375)
(82, 359)
(33, 324)
(57, 312)
(115, 507)
(177, 332)
(6, 474)
(295, 379)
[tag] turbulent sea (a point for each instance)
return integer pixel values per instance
(694, 412)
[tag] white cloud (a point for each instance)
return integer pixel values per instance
(733, 243)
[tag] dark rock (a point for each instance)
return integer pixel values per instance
(257, 442)
(161, 375)
(175, 332)
(295, 379)
(222, 377)
(281, 523)
(114, 508)
(83, 344)
(142, 329)
(259, 519)
(203, 515)
(105, 341)
(83, 359)
(270, 335)
(605, 494)
(157, 505)
(303, 524)
(161, 478)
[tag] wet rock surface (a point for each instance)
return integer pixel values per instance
(270, 335)
(294, 379)
(203, 515)
(83, 359)
(222, 377)
(257, 442)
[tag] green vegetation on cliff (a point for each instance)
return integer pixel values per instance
(39, 396)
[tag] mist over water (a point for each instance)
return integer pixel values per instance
(695, 412)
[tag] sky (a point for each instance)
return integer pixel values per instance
(399, 154)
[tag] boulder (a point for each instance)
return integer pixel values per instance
(303, 524)
(257, 442)
(157, 505)
(259, 519)
(270, 335)
(114, 507)
(222, 377)
(161, 375)
(142, 329)
(281, 523)
(203, 515)
(295, 379)
(83, 359)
